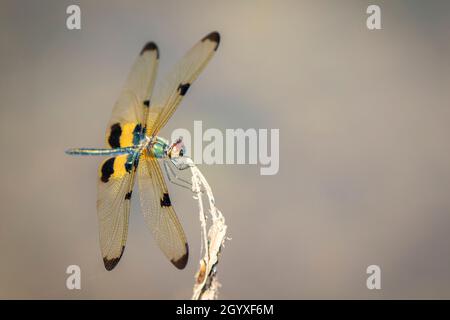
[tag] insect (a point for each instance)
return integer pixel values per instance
(134, 148)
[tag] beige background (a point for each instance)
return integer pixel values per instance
(364, 155)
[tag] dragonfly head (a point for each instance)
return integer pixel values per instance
(176, 149)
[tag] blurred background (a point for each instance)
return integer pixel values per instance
(364, 155)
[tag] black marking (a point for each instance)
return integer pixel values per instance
(147, 103)
(107, 169)
(114, 136)
(183, 88)
(111, 263)
(150, 46)
(128, 195)
(137, 131)
(181, 263)
(165, 201)
(214, 37)
(129, 165)
(136, 163)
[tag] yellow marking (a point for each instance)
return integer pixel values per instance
(126, 138)
(145, 155)
(119, 167)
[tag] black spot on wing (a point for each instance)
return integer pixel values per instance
(107, 169)
(214, 37)
(114, 135)
(136, 163)
(137, 134)
(183, 88)
(147, 103)
(181, 262)
(129, 165)
(165, 201)
(128, 195)
(111, 263)
(150, 46)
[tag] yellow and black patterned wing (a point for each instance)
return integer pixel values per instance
(159, 213)
(115, 185)
(168, 96)
(131, 109)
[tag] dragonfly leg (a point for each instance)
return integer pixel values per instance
(172, 176)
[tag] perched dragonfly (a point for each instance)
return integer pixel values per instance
(133, 142)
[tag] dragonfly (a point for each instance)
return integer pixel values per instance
(134, 148)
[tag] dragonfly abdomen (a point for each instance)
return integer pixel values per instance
(100, 152)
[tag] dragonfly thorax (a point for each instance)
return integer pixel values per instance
(160, 148)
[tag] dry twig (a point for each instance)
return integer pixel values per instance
(206, 285)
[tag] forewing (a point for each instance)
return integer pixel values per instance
(115, 185)
(131, 108)
(159, 213)
(169, 94)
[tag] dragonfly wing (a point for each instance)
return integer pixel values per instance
(168, 96)
(115, 185)
(159, 213)
(116, 180)
(131, 108)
